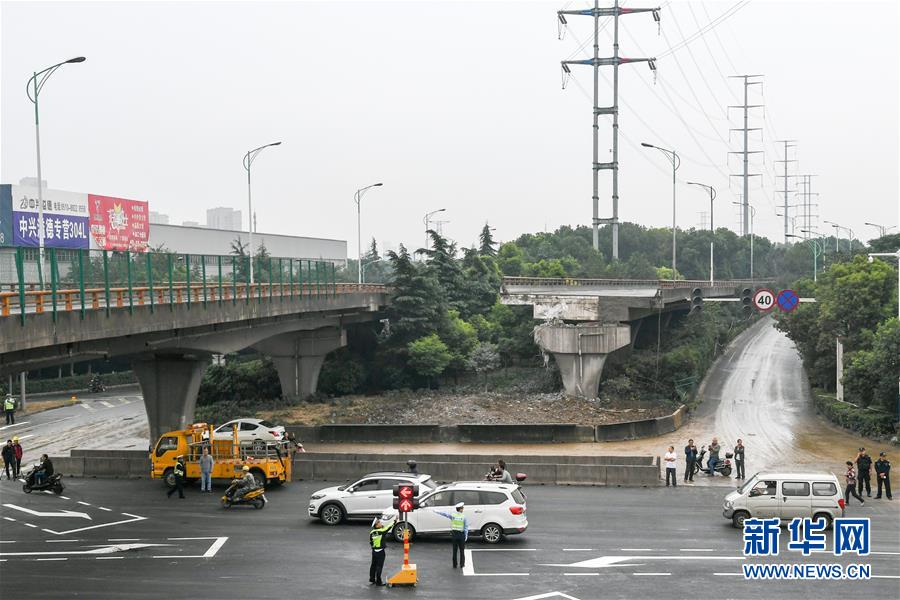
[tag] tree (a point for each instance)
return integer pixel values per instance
(870, 378)
(484, 358)
(428, 356)
(487, 242)
(460, 338)
(418, 305)
(446, 270)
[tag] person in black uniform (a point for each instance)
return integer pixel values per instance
(863, 467)
(178, 471)
(739, 459)
(690, 457)
(376, 542)
(883, 474)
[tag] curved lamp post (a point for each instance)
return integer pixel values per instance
(33, 90)
(248, 161)
(712, 227)
(356, 198)
(427, 221)
(676, 162)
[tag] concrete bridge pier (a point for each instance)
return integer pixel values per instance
(298, 357)
(169, 383)
(580, 352)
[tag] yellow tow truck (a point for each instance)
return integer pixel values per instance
(269, 461)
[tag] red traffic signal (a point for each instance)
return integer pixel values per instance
(405, 497)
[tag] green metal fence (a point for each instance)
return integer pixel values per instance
(83, 280)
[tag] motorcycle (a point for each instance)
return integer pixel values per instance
(255, 497)
(723, 466)
(95, 385)
(54, 482)
(495, 475)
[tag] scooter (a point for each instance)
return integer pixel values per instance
(723, 466)
(255, 497)
(54, 482)
(495, 475)
(95, 385)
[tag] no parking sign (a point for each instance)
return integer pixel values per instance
(788, 300)
(764, 300)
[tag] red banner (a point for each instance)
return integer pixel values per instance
(119, 224)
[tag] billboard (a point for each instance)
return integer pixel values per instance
(119, 224)
(5, 215)
(65, 221)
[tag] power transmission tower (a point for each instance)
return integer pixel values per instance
(807, 216)
(615, 60)
(746, 152)
(787, 144)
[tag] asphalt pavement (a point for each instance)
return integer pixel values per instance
(123, 539)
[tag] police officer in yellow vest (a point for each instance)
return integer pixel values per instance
(459, 530)
(9, 407)
(376, 541)
(178, 472)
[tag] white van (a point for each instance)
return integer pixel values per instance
(785, 495)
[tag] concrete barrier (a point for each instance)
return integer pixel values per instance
(548, 433)
(645, 428)
(69, 466)
(414, 434)
(527, 433)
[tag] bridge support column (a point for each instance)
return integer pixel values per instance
(298, 357)
(581, 351)
(169, 384)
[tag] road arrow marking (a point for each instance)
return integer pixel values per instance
(105, 549)
(65, 513)
(132, 520)
(609, 561)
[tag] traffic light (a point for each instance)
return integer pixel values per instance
(696, 300)
(747, 301)
(406, 497)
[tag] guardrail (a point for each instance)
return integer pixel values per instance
(103, 280)
(654, 283)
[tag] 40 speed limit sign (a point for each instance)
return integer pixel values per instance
(764, 300)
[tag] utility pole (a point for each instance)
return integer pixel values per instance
(596, 62)
(807, 216)
(746, 152)
(787, 144)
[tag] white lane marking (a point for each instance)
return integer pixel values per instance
(469, 569)
(695, 550)
(30, 525)
(582, 574)
(7, 542)
(729, 574)
(132, 520)
(210, 552)
(606, 561)
(577, 549)
(123, 540)
(86, 407)
(891, 553)
(10, 519)
(14, 425)
(104, 508)
(885, 576)
(65, 513)
(23, 437)
(109, 557)
(58, 541)
(106, 404)
(51, 559)
(101, 549)
(549, 595)
(638, 549)
(65, 497)
(652, 574)
(84, 503)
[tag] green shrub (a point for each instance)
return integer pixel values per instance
(75, 383)
(867, 422)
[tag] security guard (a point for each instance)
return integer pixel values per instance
(178, 471)
(376, 541)
(459, 530)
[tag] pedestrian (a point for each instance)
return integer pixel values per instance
(459, 530)
(206, 467)
(17, 448)
(9, 407)
(505, 476)
(9, 458)
(413, 466)
(376, 542)
(714, 449)
(671, 458)
(883, 475)
(863, 467)
(178, 472)
(739, 459)
(690, 459)
(851, 485)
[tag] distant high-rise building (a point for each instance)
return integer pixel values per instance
(190, 224)
(159, 218)
(223, 218)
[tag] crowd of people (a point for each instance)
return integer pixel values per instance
(693, 459)
(860, 478)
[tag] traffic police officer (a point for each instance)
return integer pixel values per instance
(9, 407)
(376, 541)
(883, 474)
(178, 472)
(459, 530)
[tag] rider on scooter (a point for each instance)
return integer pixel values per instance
(45, 470)
(246, 483)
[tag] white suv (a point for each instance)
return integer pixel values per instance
(368, 497)
(494, 510)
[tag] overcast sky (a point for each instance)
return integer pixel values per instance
(454, 105)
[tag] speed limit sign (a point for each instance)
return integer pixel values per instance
(764, 300)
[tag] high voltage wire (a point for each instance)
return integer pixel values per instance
(709, 51)
(694, 60)
(705, 29)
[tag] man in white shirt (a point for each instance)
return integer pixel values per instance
(670, 459)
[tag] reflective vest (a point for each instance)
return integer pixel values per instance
(376, 538)
(179, 470)
(458, 522)
(9, 404)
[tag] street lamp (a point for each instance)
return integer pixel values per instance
(676, 162)
(33, 90)
(248, 161)
(427, 221)
(712, 227)
(371, 262)
(357, 198)
(882, 229)
(815, 248)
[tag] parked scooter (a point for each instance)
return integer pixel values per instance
(95, 385)
(255, 497)
(723, 466)
(54, 482)
(495, 474)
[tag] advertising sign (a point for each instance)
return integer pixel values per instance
(5, 215)
(119, 224)
(65, 218)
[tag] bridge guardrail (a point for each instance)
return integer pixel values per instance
(82, 280)
(654, 283)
